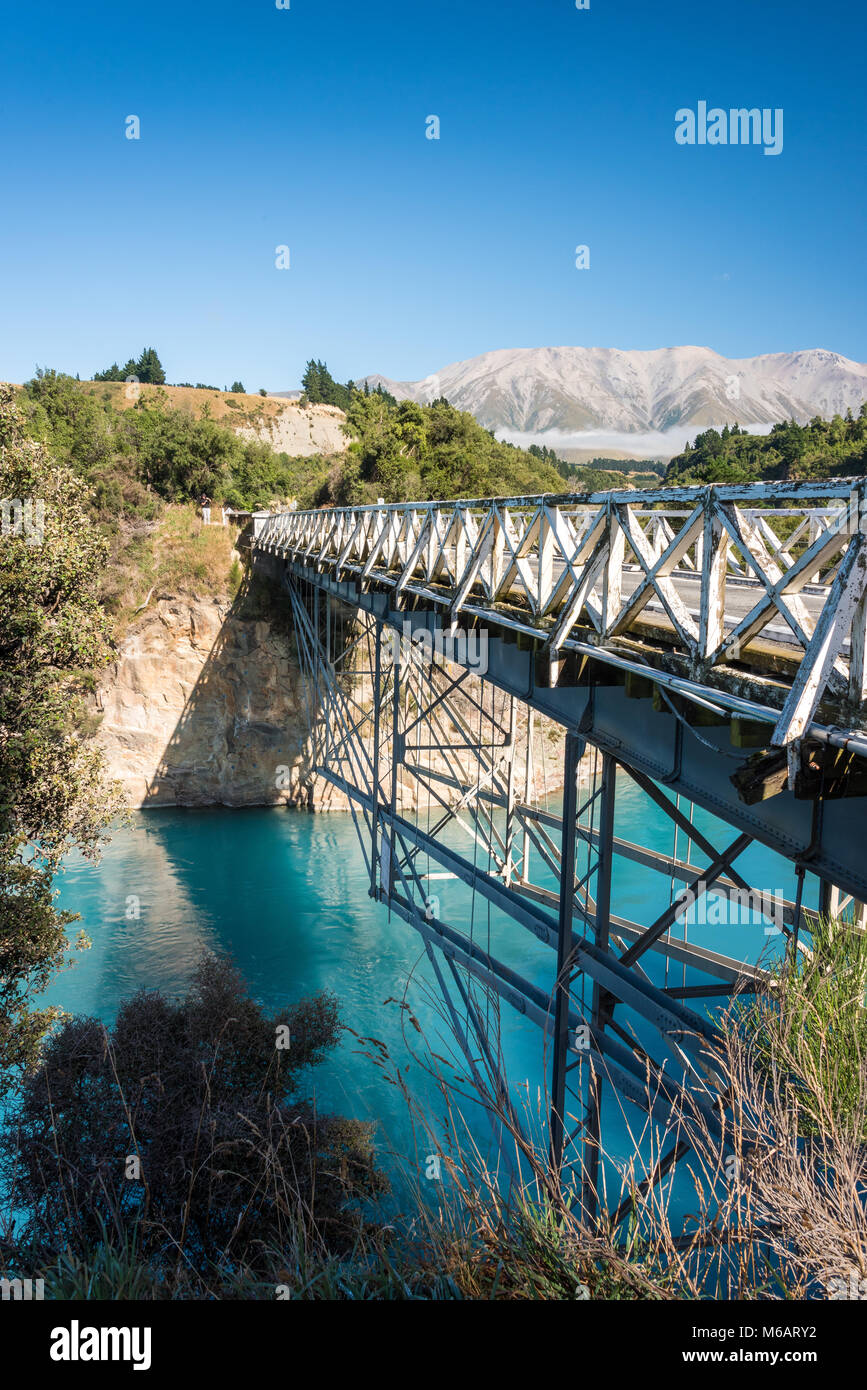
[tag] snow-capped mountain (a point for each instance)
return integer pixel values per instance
(597, 396)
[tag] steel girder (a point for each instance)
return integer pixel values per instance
(439, 767)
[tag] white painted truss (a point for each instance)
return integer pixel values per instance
(711, 574)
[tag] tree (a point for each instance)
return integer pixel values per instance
(178, 455)
(821, 449)
(53, 631)
(148, 370)
(112, 373)
(238, 386)
(407, 450)
(321, 388)
(379, 390)
(68, 419)
(130, 461)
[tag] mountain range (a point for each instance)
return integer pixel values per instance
(643, 403)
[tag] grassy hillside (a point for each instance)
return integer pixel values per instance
(170, 555)
(227, 407)
(134, 453)
(174, 443)
(144, 461)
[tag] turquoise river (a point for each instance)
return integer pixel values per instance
(286, 893)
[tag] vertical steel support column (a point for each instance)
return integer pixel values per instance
(509, 841)
(374, 816)
(387, 837)
(322, 705)
(396, 750)
(574, 748)
(828, 897)
(602, 1001)
(529, 794)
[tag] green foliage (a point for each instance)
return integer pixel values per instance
(405, 451)
(148, 370)
(541, 451)
(131, 460)
(53, 631)
(320, 388)
(386, 395)
(231, 1154)
(238, 386)
(109, 1269)
(822, 449)
(178, 456)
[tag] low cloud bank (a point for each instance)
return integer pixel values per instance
(651, 444)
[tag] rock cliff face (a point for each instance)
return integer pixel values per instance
(318, 429)
(204, 708)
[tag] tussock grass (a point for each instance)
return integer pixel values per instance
(174, 555)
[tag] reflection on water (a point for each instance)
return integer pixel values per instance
(287, 894)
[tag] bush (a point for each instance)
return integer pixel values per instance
(232, 1159)
(404, 450)
(133, 459)
(52, 795)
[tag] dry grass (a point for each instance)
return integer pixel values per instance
(192, 399)
(795, 1065)
(777, 1214)
(778, 1189)
(175, 555)
(269, 417)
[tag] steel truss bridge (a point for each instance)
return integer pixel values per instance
(700, 650)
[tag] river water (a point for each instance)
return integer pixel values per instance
(286, 894)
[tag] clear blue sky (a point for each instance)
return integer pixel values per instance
(306, 127)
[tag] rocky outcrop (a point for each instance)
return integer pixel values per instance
(205, 708)
(300, 431)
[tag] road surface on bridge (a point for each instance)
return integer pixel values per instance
(741, 596)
